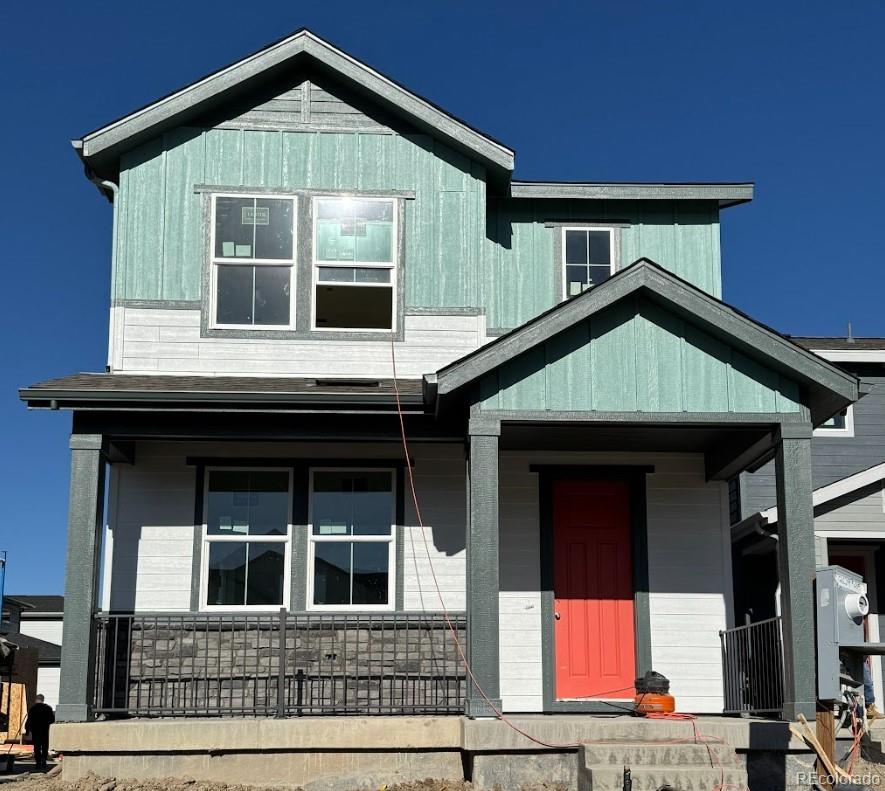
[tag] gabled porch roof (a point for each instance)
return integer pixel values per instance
(740, 365)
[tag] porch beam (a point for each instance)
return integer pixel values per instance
(723, 463)
(482, 570)
(796, 566)
(85, 519)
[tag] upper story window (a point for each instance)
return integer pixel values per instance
(253, 261)
(247, 537)
(588, 258)
(840, 425)
(354, 263)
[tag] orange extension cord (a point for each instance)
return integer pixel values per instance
(698, 737)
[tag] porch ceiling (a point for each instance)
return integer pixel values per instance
(727, 448)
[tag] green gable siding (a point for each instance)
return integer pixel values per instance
(460, 250)
(161, 236)
(522, 279)
(636, 356)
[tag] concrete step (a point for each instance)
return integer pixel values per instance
(655, 754)
(651, 778)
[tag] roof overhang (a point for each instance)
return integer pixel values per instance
(725, 194)
(101, 146)
(829, 389)
(126, 392)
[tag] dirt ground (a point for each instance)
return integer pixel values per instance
(53, 782)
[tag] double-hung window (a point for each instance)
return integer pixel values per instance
(354, 263)
(253, 261)
(247, 537)
(588, 258)
(352, 539)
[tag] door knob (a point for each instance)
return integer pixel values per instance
(557, 615)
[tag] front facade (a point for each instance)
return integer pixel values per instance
(327, 295)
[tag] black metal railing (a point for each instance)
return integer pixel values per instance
(753, 668)
(286, 664)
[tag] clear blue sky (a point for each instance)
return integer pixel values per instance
(786, 94)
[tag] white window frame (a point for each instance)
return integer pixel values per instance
(216, 261)
(239, 538)
(564, 267)
(313, 540)
(848, 431)
(393, 265)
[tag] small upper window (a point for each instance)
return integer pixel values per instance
(253, 257)
(839, 425)
(354, 263)
(588, 258)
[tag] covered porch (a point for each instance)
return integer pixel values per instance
(582, 542)
(601, 437)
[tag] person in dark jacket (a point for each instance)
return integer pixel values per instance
(40, 717)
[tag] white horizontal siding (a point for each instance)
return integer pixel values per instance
(47, 684)
(50, 631)
(162, 340)
(151, 516)
(689, 576)
(151, 512)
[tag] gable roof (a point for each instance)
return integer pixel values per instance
(105, 143)
(829, 388)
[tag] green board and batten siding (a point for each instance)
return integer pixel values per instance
(458, 254)
(636, 357)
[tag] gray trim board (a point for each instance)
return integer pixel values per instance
(796, 565)
(309, 192)
(724, 193)
(829, 387)
(197, 558)
(157, 304)
(210, 91)
(483, 586)
(634, 476)
(749, 419)
(85, 521)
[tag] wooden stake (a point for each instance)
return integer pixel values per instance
(825, 730)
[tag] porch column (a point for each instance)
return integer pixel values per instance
(482, 567)
(85, 518)
(796, 566)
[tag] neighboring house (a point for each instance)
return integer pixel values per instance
(42, 620)
(574, 392)
(848, 476)
(36, 622)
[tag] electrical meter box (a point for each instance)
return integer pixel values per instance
(842, 606)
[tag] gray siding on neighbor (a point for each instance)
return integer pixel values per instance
(832, 458)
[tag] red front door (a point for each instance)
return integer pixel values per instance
(593, 590)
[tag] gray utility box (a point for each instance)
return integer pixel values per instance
(842, 606)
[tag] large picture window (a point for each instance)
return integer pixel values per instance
(588, 258)
(253, 261)
(246, 538)
(354, 263)
(352, 537)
